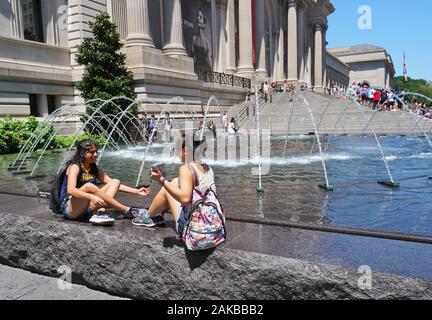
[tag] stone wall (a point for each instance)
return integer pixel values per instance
(152, 268)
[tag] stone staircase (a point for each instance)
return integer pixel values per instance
(333, 116)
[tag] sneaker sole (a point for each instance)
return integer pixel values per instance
(144, 225)
(103, 224)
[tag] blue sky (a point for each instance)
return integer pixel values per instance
(397, 25)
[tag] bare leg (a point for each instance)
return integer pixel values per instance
(159, 204)
(163, 201)
(174, 206)
(110, 201)
(111, 189)
(77, 207)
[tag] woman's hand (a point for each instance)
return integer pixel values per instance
(156, 175)
(97, 200)
(143, 191)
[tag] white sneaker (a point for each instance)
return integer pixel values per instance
(102, 220)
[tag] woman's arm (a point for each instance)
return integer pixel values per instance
(104, 178)
(182, 193)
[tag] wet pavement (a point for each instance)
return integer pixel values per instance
(388, 256)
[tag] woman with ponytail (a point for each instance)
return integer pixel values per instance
(80, 195)
(176, 195)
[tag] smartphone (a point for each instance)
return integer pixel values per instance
(160, 167)
(143, 186)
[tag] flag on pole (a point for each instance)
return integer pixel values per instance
(405, 72)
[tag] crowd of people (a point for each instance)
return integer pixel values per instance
(266, 89)
(336, 91)
(376, 98)
(382, 99)
(421, 108)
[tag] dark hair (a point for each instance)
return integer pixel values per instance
(196, 143)
(82, 147)
(203, 14)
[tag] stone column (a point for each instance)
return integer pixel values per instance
(324, 52)
(245, 68)
(259, 39)
(275, 65)
(301, 43)
(118, 11)
(50, 25)
(308, 77)
(318, 63)
(272, 53)
(221, 9)
(17, 24)
(292, 41)
(230, 31)
(281, 56)
(173, 28)
(138, 24)
(42, 103)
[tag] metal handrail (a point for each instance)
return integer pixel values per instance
(244, 115)
(223, 78)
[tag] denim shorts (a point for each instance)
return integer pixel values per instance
(65, 203)
(180, 216)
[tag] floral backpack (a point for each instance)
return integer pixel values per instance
(203, 222)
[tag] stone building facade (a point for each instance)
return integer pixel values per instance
(367, 62)
(168, 44)
(337, 72)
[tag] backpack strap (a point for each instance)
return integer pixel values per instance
(194, 174)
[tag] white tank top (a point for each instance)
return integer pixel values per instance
(205, 179)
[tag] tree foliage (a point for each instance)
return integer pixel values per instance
(414, 86)
(14, 134)
(106, 75)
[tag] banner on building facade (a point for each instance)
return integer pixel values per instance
(197, 32)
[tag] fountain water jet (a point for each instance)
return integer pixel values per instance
(387, 183)
(174, 99)
(327, 186)
(260, 188)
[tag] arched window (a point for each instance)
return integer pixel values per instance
(32, 20)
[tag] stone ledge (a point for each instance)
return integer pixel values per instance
(150, 268)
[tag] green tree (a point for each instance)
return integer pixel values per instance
(106, 75)
(414, 86)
